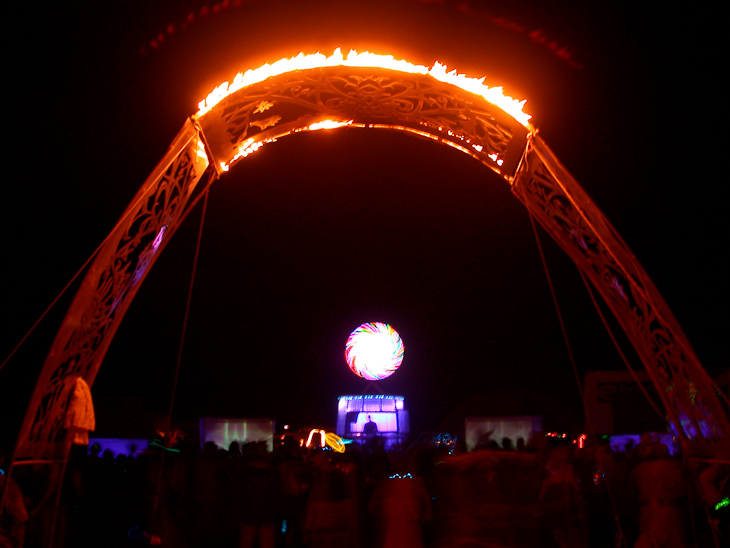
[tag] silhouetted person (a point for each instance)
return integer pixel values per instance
(13, 514)
(371, 427)
(260, 492)
(295, 477)
(401, 506)
(207, 496)
(561, 501)
(521, 448)
(662, 498)
(332, 508)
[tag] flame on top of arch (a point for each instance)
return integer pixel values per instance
(494, 95)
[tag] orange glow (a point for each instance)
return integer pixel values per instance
(328, 124)
(321, 434)
(494, 95)
(249, 146)
(326, 439)
(201, 151)
(334, 442)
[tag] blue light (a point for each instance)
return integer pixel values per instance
(398, 476)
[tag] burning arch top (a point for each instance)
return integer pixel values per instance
(312, 92)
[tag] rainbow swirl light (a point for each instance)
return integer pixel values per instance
(374, 351)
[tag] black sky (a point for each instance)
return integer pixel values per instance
(315, 234)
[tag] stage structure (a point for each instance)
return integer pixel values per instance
(478, 431)
(366, 417)
(224, 431)
(367, 92)
(373, 351)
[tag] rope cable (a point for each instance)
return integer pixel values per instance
(58, 297)
(705, 505)
(126, 214)
(560, 316)
(618, 348)
(191, 205)
(168, 418)
(719, 391)
(619, 539)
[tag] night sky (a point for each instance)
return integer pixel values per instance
(316, 234)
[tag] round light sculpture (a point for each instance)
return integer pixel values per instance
(374, 351)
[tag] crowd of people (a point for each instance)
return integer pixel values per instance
(551, 495)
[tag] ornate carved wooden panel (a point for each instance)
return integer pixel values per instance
(561, 206)
(369, 97)
(107, 291)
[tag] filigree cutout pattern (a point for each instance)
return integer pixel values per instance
(104, 296)
(410, 100)
(587, 237)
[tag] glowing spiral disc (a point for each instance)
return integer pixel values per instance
(374, 351)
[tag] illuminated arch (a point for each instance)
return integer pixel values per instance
(368, 91)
